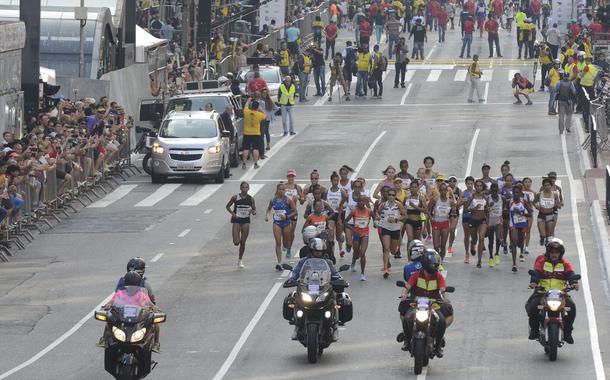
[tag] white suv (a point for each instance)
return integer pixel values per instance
(191, 144)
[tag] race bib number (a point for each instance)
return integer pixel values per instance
(243, 212)
(277, 214)
(518, 219)
(361, 222)
(443, 211)
(547, 203)
(334, 203)
(320, 226)
(496, 212)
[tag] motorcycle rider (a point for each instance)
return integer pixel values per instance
(416, 250)
(554, 272)
(131, 293)
(138, 265)
(318, 250)
(428, 282)
(308, 233)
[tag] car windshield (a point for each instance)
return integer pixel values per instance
(188, 128)
(198, 103)
(315, 272)
(270, 76)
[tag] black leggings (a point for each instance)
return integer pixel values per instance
(265, 124)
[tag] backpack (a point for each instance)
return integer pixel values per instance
(383, 63)
(564, 93)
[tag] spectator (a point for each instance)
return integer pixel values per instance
(402, 60)
(304, 66)
(167, 31)
(330, 33)
(553, 38)
(491, 26)
(293, 35)
(393, 29)
(257, 84)
(317, 26)
(418, 32)
(365, 29)
(318, 69)
(286, 100)
(522, 86)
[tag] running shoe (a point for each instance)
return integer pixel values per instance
(466, 259)
(526, 251)
(450, 249)
(353, 267)
(342, 253)
(398, 255)
(497, 259)
(362, 277)
(505, 249)
(429, 238)
(288, 253)
(541, 240)
(240, 264)
(386, 274)
(521, 258)
(514, 269)
(348, 248)
(341, 238)
(478, 264)
(473, 253)
(492, 263)
(256, 166)
(279, 268)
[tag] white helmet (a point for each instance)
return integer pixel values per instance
(317, 244)
(222, 80)
(309, 233)
(416, 249)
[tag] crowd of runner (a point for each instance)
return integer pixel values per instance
(493, 213)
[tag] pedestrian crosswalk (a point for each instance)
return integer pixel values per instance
(445, 73)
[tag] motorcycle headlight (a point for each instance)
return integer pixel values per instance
(553, 304)
(156, 148)
(306, 297)
(421, 315)
(138, 335)
(322, 297)
(118, 334)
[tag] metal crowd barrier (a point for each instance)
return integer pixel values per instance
(41, 200)
(274, 39)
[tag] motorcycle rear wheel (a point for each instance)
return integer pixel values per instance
(419, 354)
(312, 343)
(553, 340)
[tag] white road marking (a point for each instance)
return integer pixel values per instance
(409, 75)
(404, 97)
(254, 188)
(204, 193)
(460, 75)
(184, 233)
(486, 93)
(322, 100)
(511, 74)
(207, 211)
(161, 193)
(430, 53)
(366, 156)
(246, 333)
(487, 75)
(593, 334)
(157, 257)
(57, 341)
(117, 194)
(251, 172)
(434, 75)
(473, 143)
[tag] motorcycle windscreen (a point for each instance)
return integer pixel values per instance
(315, 274)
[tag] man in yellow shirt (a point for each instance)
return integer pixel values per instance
(546, 62)
(474, 76)
(552, 80)
(253, 118)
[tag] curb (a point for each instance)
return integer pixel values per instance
(600, 227)
(585, 160)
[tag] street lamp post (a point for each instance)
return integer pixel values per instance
(80, 14)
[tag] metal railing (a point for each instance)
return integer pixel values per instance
(608, 190)
(593, 135)
(41, 199)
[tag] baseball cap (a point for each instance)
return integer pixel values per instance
(440, 177)
(291, 172)
(452, 177)
(486, 165)
(552, 174)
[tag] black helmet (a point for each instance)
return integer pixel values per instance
(132, 278)
(137, 264)
(554, 244)
(430, 261)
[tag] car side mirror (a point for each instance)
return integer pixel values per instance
(343, 268)
(532, 273)
(153, 134)
(449, 289)
(225, 134)
(339, 283)
(400, 284)
(576, 277)
(289, 284)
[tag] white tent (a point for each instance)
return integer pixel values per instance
(146, 42)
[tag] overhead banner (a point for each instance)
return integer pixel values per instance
(272, 10)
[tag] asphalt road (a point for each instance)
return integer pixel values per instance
(226, 323)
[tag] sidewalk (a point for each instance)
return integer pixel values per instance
(594, 184)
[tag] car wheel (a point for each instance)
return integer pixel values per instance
(220, 177)
(227, 171)
(235, 155)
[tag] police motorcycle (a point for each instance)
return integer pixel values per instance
(317, 307)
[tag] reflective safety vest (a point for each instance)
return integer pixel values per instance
(284, 58)
(363, 61)
(588, 77)
(474, 70)
(580, 66)
(553, 78)
(306, 64)
(287, 95)
(570, 70)
(551, 273)
(428, 286)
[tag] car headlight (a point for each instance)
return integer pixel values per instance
(215, 148)
(156, 148)
(306, 297)
(421, 315)
(138, 335)
(118, 333)
(553, 304)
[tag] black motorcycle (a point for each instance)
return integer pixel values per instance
(129, 341)
(144, 146)
(552, 312)
(318, 306)
(424, 327)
